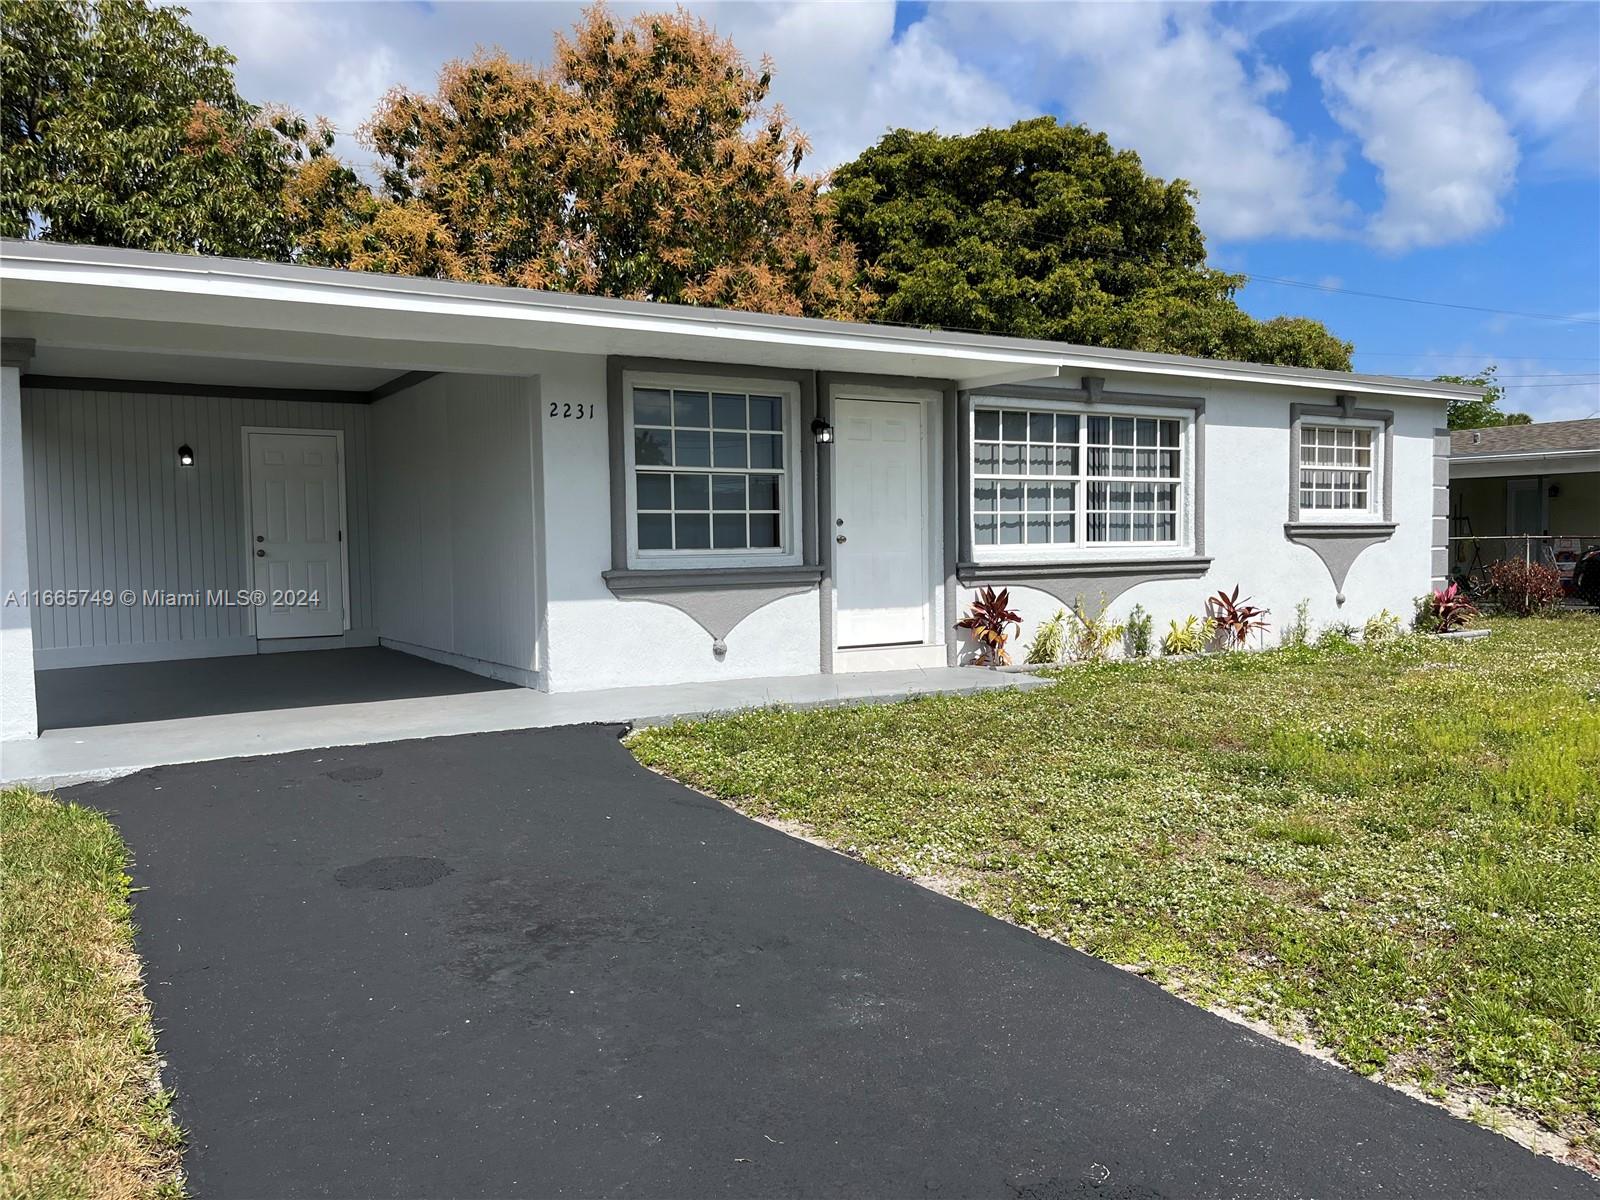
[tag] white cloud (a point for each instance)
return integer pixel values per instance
(1445, 156)
(841, 73)
(1557, 101)
(1191, 95)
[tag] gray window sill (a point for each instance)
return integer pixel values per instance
(1380, 529)
(1177, 566)
(657, 579)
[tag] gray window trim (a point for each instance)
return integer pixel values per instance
(1344, 410)
(1092, 392)
(715, 598)
(1339, 543)
(617, 366)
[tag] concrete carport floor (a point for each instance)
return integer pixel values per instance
(518, 964)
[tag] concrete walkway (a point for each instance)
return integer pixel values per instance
(60, 757)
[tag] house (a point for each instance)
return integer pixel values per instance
(206, 457)
(1519, 490)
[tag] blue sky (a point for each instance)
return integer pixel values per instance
(1444, 152)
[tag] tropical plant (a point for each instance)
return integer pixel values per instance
(987, 620)
(1236, 619)
(1138, 632)
(1524, 588)
(1380, 629)
(1339, 633)
(1094, 634)
(1192, 637)
(1445, 610)
(1049, 639)
(1298, 632)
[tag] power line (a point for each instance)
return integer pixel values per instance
(1503, 312)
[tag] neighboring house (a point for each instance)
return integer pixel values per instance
(572, 493)
(1517, 480)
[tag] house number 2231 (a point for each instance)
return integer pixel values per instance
(572, 412)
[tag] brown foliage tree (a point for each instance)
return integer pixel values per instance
(643, 163)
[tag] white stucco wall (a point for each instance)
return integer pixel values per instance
(456, 545)
(595, 639)
(1246, 505)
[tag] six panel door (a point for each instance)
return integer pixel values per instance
(295, 540)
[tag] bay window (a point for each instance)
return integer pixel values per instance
(1050, 478)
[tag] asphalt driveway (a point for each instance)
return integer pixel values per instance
(520, 965)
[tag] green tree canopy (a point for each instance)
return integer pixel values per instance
(1045, 230)
(121, 126)
(1484, 413)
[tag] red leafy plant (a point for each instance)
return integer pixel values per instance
(1446, 610)
(987, 620)
(1236, 619)
(1524, 588)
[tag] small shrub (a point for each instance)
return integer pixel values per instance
(1138, 633)
(1381, 629)
(1193, 636)
(986, 620)
(1095, 635)
(1049, 639)
(1340, 633)
(1445, 610)
(1236, 619)
(1298, 632)
(1524, 588)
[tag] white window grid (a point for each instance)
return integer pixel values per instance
(710, 468)
(1052, 478)
(1336, 468)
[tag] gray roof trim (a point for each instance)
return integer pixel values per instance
(247, 271)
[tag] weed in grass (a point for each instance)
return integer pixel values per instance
(1302, 831)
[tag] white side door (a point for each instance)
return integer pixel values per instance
(296, 541)
(880, 555)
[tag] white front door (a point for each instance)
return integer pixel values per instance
(1524, 506)
(296, 542)
(880, 555)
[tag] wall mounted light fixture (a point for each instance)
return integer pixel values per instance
(822, 431)
(185, 456)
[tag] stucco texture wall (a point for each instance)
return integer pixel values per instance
(595, 639)
(1246, 505)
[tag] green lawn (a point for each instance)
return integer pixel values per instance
(1393, 852)
(84, 1112)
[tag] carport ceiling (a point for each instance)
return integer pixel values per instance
(98, 362)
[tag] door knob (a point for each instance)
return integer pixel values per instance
(841, 539)
(261, 553)
(259, 538)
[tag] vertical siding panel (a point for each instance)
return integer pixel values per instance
(151, 511)
(56, 559)
(111, 510)
(31, 445)
(82, 569)
(110, 517)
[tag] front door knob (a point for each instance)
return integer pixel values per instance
(841, 539)
(261, 553)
